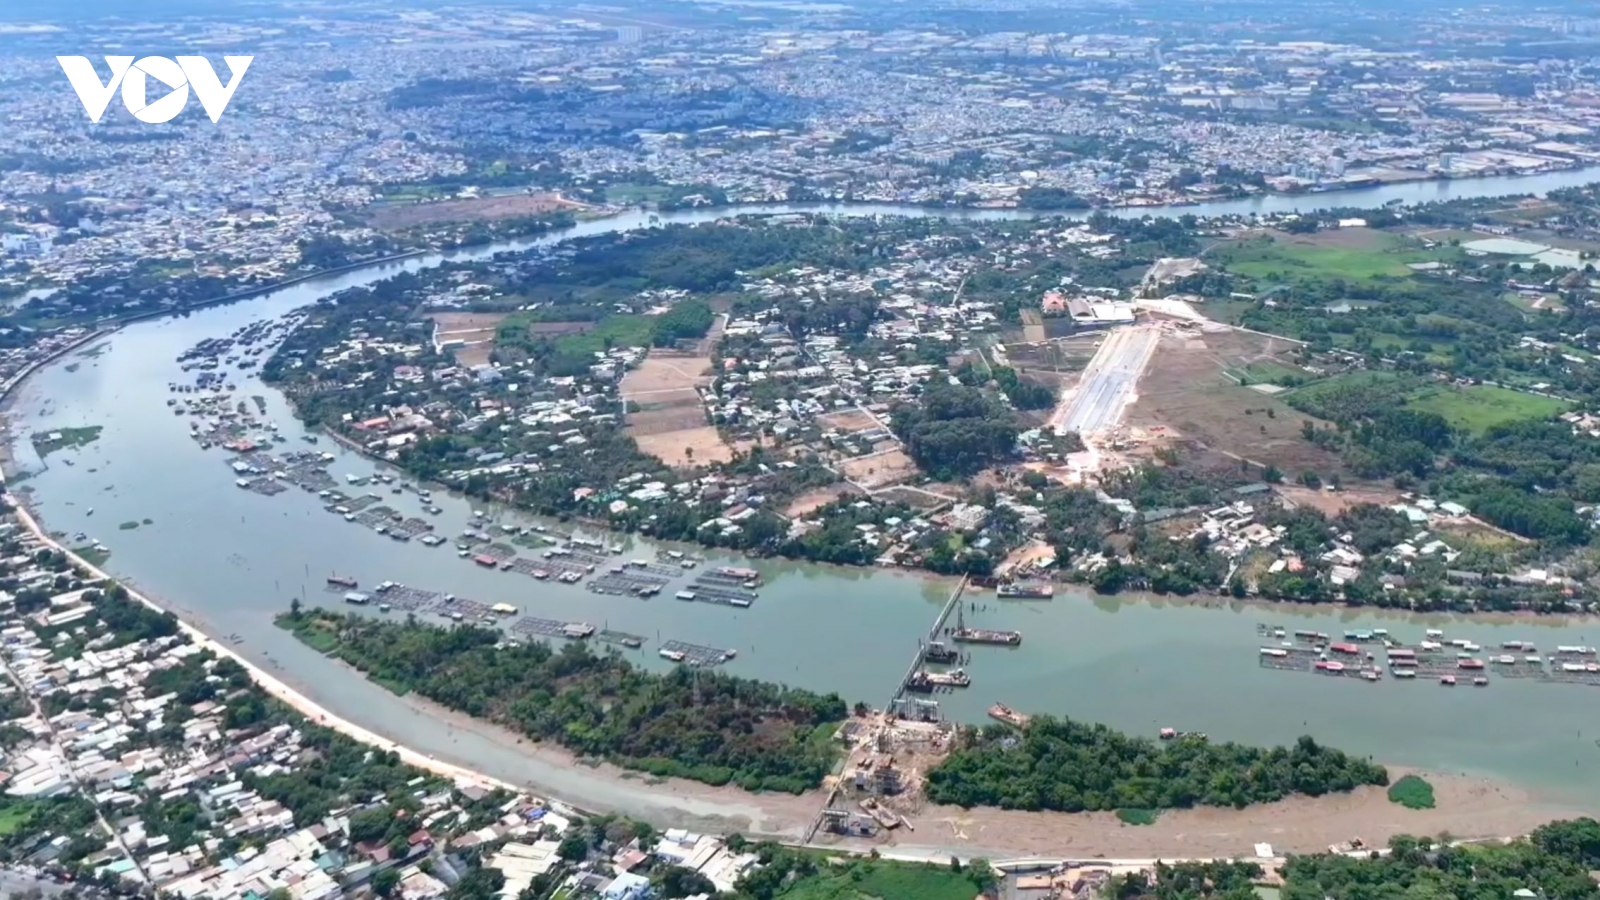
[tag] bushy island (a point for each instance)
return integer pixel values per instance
(1059, 764)
(707, 726)
(720, 729)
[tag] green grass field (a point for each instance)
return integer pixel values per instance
(14, 818)
(883, 880)
(1481, 407)
(623, 331)
(633, 194)
(1283, 261)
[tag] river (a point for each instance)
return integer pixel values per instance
(231, 559)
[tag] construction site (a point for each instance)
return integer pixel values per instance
(1132, 389)
(879, 787)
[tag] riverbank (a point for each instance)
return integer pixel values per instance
(1466, 807)
(268, 682)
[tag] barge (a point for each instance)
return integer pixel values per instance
(924, 682)
(1025, 591)
(986, 636)
(1003, 713)
(344, 581)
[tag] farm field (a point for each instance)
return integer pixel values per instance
(1348, 253)
(612, 331)
(1481, 407)
(1476, 408)
(668, 421)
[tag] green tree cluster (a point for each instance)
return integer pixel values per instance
(953, 430)
(1060, 764)
(708, 726)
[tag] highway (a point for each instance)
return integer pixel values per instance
(1108, 382)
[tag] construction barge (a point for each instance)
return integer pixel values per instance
(925, 682)
(1024, 590)
(1003, 713)
(986, 636)
(962, 634)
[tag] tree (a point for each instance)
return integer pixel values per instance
(574, 847)
(385, 881)
(371, 824)
(678, 881)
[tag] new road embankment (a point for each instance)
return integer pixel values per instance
(1108, 384)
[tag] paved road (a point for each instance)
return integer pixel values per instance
(1109, 380)
(15, 884)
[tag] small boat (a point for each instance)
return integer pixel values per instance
(1447, 680)
(1480, 682)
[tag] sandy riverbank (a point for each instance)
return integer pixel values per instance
(1467, 808)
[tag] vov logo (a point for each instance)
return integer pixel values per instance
(133, 77)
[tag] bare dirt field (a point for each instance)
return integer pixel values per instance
(924, 499)
(878, 469)
(669, 422)
(1184, 390)
(401, 215)
(1331, 503)
(1467, 807)
(476, 330)
(816, 498)
(662, 374)
(1340, 238)
(847, 421)
(1032, 325)
(685, 447)
(1067, 354)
